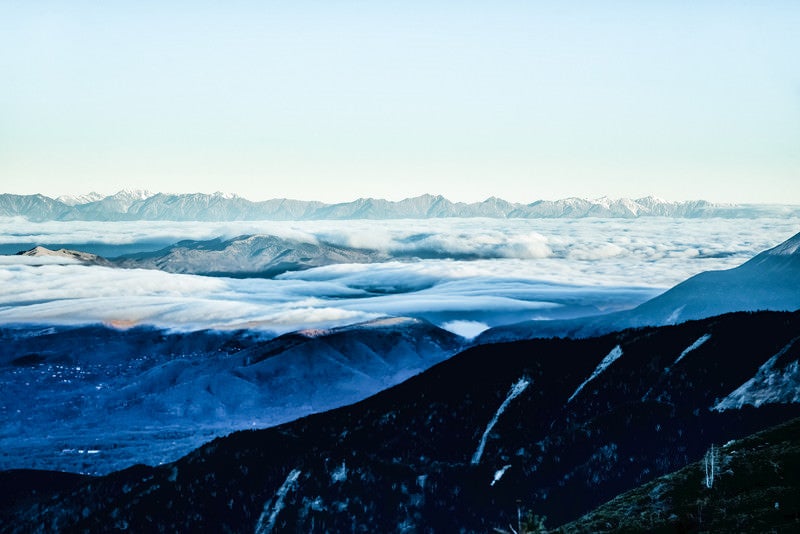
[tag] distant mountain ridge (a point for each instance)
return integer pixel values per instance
(156, 394)
(144, 205)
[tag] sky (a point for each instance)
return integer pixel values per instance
(338, 100)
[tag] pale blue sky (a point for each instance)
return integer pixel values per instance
(337, 100)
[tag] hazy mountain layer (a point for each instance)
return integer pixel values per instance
(95, 399)
(142, 205)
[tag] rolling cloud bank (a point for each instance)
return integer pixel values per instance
(484, 272)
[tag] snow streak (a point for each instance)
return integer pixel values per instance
(266, 524)
(769, 385)
(702, 339)
(513, 393)
(612, 356)
(673, 317)
(499, 474)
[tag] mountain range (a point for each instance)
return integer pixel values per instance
(143, 205)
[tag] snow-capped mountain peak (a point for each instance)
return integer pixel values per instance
(132, 195)
(74, 200)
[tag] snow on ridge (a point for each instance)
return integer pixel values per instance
(702, 339)
(388, 321)
(516, 389)
(73, 200)
(610, 358)
(768, 385)
(267, 523)
(789, 247)
(673, 317)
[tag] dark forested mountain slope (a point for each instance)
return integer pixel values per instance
(747, 485)
(558, 426)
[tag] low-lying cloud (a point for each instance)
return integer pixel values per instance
(468, 271)
(322, 298)
(714, 243)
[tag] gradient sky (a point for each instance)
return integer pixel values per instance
(334, 100)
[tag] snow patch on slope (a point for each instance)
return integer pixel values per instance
(702, 339)
(499, 474)
(770, 384)
(518, 387)
(267, 523)
(673, 317)
(610, 358)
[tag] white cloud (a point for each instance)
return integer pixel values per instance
(38, 260)
(525, 269)
(443, 291)
(707, 243)
(466, 329)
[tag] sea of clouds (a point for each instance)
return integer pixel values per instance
(471, 273)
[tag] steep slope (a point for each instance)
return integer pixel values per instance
(769, 281)
(558, 426)
(754, 488)
(34, 207)
(95, 399)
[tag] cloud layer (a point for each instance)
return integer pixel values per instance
(323, 298)
(516, 270)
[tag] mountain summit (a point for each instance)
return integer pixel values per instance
(66, 254)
